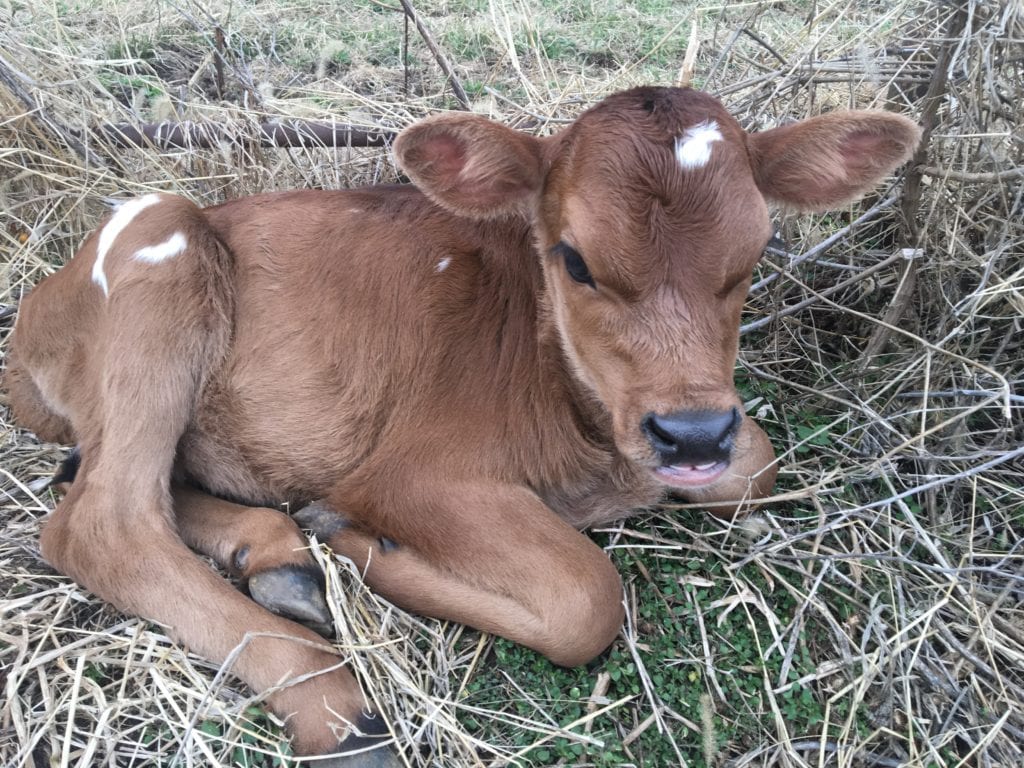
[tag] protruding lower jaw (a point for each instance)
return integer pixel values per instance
(691, 476)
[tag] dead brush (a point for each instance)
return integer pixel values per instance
(888, 360)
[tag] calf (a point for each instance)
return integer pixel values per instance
(538, 336)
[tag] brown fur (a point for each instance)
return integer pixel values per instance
(419, 359)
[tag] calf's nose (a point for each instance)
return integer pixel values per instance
(692, 438)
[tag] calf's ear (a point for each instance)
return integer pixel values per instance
(829, 160)
(471, 165)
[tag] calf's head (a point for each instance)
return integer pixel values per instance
(649, 214)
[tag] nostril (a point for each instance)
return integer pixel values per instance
(733, 424)
(659, 435)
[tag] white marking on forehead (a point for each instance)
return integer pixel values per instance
(122, 217)
(168, 249)
(693, 148)
(442, 265)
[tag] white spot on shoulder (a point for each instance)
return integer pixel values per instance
(168, 249)
(442, 265)
(693, 148)
(122, 217)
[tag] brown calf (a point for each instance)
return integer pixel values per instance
(537, 337)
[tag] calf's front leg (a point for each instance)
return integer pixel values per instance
(486, 554)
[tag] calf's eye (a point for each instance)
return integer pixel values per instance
(574, 264)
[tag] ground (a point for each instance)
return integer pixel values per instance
(872, 614)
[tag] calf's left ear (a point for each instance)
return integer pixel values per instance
(825, 161)
(471, 165)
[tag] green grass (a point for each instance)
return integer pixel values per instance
(737, 611)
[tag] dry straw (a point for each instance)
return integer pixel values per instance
(902, 469)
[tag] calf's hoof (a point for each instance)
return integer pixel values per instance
(380, 757)
(369, 746)
(68, 469)
(326, 522)
(293, 591)
(321, 519)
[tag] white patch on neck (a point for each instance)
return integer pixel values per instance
(122, 217)
(168, 249)
(442, 265)
(693, 148)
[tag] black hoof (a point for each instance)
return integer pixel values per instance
(68, 469)
(294, 591)
(371, 747)
(65, 474)
(326, 522)
(321, 520)
(381, 757)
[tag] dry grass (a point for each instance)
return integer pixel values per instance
(901, 497)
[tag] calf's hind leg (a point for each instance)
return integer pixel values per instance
(30, 407)
(263, 546)
(160, 330)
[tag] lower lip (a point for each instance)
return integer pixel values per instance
(691, 476)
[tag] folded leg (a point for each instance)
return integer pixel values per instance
(489, 555)
(262, 546)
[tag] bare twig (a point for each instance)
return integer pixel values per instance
(685, 77)
(439, 56)
(992, 177)
(766, 45)
(912, 190)
(218, 59)
(277, 133)
(893, 313)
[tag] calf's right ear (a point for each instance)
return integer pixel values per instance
(471, 165)
(828, 160)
